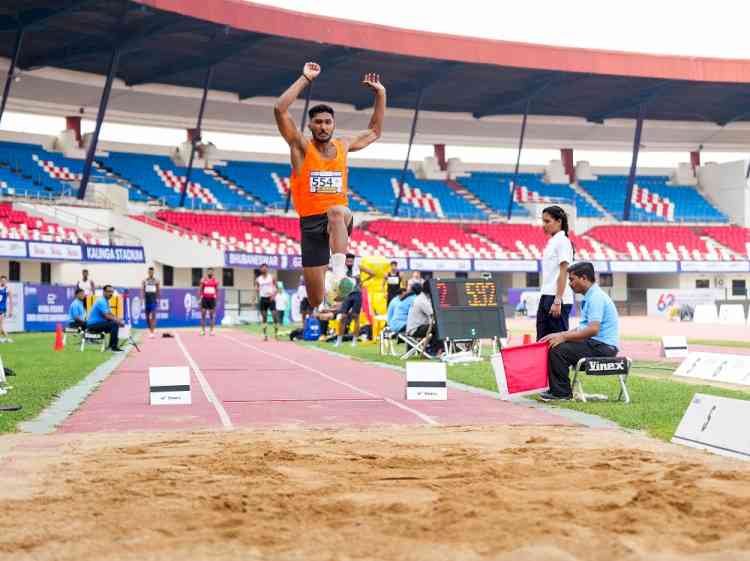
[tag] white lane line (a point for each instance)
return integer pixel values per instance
(422, 416)
(205, 386)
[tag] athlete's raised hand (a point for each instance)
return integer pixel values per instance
(372, 81)
(311, 70)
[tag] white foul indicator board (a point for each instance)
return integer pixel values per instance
(716, 424)
(169, 385)
(426, 380)
(716, 367)
(674, 346)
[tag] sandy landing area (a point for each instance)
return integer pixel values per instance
(454, 493)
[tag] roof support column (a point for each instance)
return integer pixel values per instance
(518, 158)
(302, 123)
(11, 70)
(634, 163)
(566, 155)
(417, 105)
(196, 135)
(114, 60)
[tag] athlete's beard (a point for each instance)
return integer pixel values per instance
(322, 136)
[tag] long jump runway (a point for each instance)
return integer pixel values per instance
(238, 380)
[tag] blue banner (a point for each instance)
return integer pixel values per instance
(176, 307)
(255, 260)
(45, 306)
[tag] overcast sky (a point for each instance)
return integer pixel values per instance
(715, 29)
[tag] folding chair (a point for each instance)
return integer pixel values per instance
(387, 342)
(88, 337)
(602, 366)
(417, 346)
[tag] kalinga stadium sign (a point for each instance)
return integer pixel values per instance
(114, 254)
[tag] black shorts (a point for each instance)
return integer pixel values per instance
(316, 249)
(266, 304)
(305, 307)
(208, 303)
(352, 303)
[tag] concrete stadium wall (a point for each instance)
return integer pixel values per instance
(726, 186)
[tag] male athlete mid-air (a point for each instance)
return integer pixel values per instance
(319, 181)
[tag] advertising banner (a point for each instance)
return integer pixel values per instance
(114, 254)
(46, 305)
(659, 300)
(176, 307)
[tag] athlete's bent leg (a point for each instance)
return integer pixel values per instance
(339, 218)
(315, 283)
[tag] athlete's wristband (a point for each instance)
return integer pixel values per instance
(306, 78)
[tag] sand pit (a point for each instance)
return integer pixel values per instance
(391, 494)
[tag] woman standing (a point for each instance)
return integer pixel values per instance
(557, 297)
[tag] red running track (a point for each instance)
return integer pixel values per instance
(240, 381)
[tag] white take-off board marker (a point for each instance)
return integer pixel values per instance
(426, 380)
(169, 385)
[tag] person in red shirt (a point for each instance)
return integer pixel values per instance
(208, 295)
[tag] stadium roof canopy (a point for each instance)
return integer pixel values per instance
(256, 51)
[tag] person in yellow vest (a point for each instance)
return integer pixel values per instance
(319, 181)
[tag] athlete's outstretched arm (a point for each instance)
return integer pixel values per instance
(375, 129)
(284, 120)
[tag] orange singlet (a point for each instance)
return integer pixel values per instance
(321, 183)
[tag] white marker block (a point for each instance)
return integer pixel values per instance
(674, 346)
(426, 380)
(169, 385)
(713, 423)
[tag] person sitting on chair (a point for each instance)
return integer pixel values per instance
(77, 312)
(102, 320)
(421, 317)
(393, 304)
(598, 333)
(397, 323)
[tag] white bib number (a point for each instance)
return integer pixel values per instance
(151, 288)
(328, 182)
(209, 290)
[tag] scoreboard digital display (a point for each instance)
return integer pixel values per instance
(463, 305)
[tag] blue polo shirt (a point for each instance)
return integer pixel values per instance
(597, 306)
(77, 311)
(401, 313)
(392, 305)
(100, 307)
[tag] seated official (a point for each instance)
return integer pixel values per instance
(77, 312)
(598, 334)
(393, 304)
(102, 320)
(421, 316)
(401, 311)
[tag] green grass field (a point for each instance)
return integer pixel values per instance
(41, 374)
(658, 401)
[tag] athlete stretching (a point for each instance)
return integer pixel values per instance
(319, 181)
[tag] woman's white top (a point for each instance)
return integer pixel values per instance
(558, 250)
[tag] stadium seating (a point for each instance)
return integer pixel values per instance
(656, 243)
(735, 238)
(689, 204)
(436, 239)
(30, 170)
(232, 231)
(527, 241)
(18, 225)
(160, 178)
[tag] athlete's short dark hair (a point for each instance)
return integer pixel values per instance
(321, 108)
(583, 269)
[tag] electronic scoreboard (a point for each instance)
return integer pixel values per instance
(464, 304)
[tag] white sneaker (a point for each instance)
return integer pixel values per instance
(332, 287)
(3, 340)
(212, 333)
(8, 340)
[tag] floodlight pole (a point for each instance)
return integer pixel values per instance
(11, 69)
(114, 60)
(302, 124)
(197, 137)
(518, 158)
(634, 162)
(408, 151)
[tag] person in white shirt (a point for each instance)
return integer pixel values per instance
(281, 302)
(557, 297)
(421, 316)
(266, 286)
(87, 285)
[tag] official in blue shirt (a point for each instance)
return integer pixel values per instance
(393, 304)
(401, 312)
(102, 320)
(598, 333)
(77, 312)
